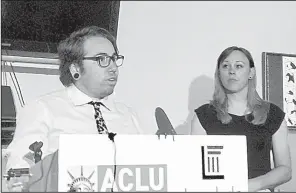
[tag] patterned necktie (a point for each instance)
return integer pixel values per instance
(101, 125)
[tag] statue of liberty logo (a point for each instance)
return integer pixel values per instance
(81, 183)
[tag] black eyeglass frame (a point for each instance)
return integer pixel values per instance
(114, 58)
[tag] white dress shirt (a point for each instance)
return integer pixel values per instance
(64, 112)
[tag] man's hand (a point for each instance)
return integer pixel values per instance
(17, 184)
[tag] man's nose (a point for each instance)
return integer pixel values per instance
(113, 67)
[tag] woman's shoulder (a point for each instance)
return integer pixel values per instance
(275, 117)
(206, 114)
(204, 107)
(275, 110)
(205, 110)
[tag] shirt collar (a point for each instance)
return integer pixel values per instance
(79, 98)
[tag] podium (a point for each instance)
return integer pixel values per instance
(45, 175)
(144, 163)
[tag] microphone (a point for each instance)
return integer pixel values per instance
(111, 136)
(36, 148)
(164, 125)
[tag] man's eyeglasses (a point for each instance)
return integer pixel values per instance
(104, 60)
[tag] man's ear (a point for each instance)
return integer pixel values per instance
(74, 69)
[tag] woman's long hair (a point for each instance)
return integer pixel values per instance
(258, 107)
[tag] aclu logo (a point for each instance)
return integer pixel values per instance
(132, 178)
(211, 156)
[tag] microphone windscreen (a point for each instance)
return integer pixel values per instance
(36, 146)
(163, 122)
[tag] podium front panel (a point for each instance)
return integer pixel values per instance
(148, 163)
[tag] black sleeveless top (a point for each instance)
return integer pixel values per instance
(259, 137)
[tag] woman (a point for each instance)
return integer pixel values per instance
(237, 109)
